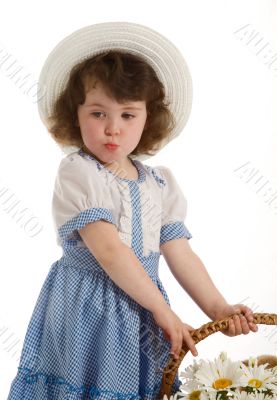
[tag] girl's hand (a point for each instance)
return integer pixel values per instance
(175, 331)
(240, 323)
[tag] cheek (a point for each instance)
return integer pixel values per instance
(139, 123)
(89, 125)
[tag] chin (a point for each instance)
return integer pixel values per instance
(108, 158)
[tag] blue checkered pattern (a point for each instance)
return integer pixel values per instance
(174, 230)
(70, 228)
(87, 338)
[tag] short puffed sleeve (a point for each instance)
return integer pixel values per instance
(80, 196)
(174, 208)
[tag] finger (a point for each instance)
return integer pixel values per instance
(249, 319)
(173, 339)
(244, 325)
(177, 344)
(253, 327)
(231, 328)
(238, 329)
(190, 342)
(248, 313)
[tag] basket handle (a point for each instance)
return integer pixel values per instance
(197, 335)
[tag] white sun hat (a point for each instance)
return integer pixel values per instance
(166, 60)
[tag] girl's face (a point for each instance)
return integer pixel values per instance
(102, 120)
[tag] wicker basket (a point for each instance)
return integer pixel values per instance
(199, 334)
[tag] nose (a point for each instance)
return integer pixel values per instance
(112, 127)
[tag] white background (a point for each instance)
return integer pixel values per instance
(232, 123)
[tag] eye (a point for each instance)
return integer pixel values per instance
(128, 116)
(97, 114)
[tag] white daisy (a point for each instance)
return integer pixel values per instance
(274, 370)
(220, 374)
(184, 396)
(223, 356)
(171, 397)
(189, 372)
(190, 384)
(258, 376)
(242, 395)
(194, 395)
(209, 396)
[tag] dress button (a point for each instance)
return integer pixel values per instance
(71, 158)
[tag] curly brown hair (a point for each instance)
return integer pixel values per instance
(125, 77)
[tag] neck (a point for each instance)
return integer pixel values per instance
(86, 150)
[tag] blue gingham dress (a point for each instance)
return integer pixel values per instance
(87, 338)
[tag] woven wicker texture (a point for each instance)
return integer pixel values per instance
(199, 334)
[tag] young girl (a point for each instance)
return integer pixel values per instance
(102, 327)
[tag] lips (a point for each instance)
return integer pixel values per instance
(111, 146)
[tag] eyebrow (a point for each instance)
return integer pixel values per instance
(124, 108)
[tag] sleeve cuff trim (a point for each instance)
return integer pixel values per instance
(174, 230)
(82, 219)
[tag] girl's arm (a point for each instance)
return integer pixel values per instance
(124, 268)
(192, 275)
(121, 264)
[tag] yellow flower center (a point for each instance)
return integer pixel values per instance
(222, 383)
(195, 395)
(255, 382)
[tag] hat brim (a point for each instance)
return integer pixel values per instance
(167, 61)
